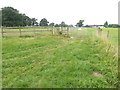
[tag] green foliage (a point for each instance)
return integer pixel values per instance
(34, 21)
(44, 22)
(106, 24)
(114, 25)
(12, 17)
(26, 21)
(63, 24)
(57, 25)
(80, 23)
(51, 24)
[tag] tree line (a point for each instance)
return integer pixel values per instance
(11, 17)
(111, 25)
(106, 25)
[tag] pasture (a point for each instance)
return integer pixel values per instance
(55, 61)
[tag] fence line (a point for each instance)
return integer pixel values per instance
(103, 35)
(34, 31)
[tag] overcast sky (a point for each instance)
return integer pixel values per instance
(70, 11)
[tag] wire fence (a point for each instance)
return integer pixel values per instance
(32, 31)
(47, 30)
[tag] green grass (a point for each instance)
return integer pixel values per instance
(113, 34)
(58, 62)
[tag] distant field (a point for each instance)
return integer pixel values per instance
(59, 62)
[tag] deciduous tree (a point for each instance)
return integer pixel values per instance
(106, 24)
(80, 23)
(44, 22)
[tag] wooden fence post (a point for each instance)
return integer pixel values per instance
(62, 29)
(59, 29)
(99, 31)
(68, 30)
(53, 30)
(20, 31)
(34, 31)
(108, 34)
(2, 31)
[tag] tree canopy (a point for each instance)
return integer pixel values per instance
(114, 26)
(44, 22)
(106, 24)
(52, 24)
(12, 17)
(80, 23)
(57, 25)
(63, 24)
(34, 21)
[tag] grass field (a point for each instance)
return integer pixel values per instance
(59, 62)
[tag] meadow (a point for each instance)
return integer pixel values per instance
(56, 61)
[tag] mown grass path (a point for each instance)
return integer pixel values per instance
(57, 62)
